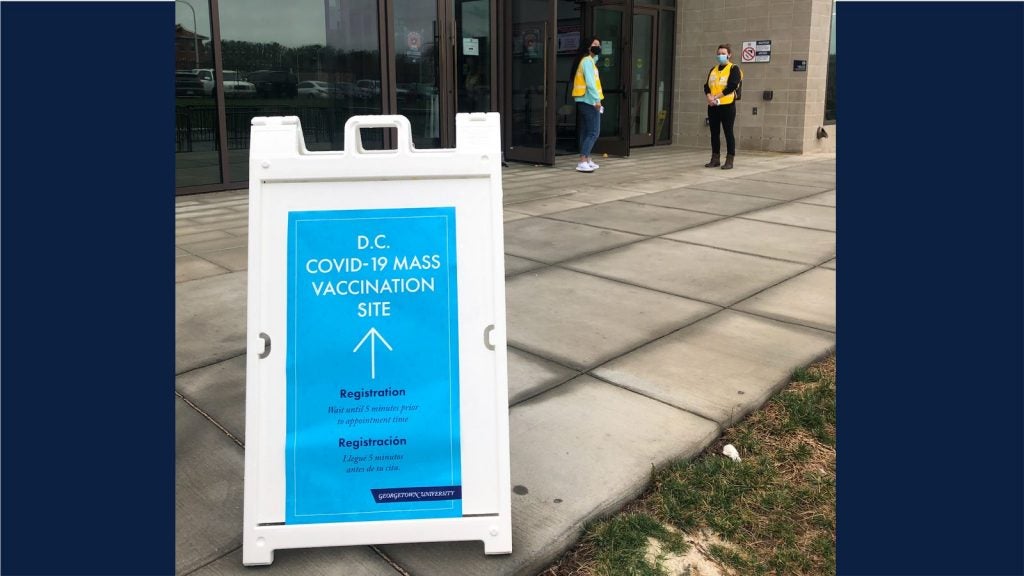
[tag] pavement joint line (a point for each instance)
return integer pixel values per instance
(745, 212)
(827, 261)
(205, 277)
(205, 260)
(551, 216)
(720, 308)
(631, 199)
(802, 201)
(719, 428)
(517, 274)
(778, 182)
(210, 418)
(773, 319)
(223, 250)
(218, 558)
(734, 251)
(673, 330)
(511, 205)
(720, 218)
(807, 268)
(790, 225)
(565, 266)
(797, 199)
(211, 363)
(576, 374)
(542, 357)
(641, 239)
(390, 562)
(777, 200)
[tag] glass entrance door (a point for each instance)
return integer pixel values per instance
(417, 90)
(609, 27)
(473, 51)
(530, 81)
(641, 113)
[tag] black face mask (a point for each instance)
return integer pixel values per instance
(595, 50)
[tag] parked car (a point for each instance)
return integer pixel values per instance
(368, 88)
(415, 92)
(275, 83)
(314, 89)
(346, 90)
(187, 84)
(234, 84)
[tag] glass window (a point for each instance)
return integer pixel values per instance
(666, 44)
(830, 83)
(528, 74)
(473, 63)
(196, 160)
(283, 55)
(608, 25)
(417, 89)
(570, 36)
(643, 40)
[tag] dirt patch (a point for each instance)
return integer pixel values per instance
(696, 561)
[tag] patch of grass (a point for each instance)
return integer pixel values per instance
(804, 375)
(618, 546)
(775, 509)
(621, 544)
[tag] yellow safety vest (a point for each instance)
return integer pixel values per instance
(579, 83)
(717, 81)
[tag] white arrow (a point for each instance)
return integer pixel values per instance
(373, 335)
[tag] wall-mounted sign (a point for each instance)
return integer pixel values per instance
(607, 48)
(568, 39)
(799, 65)
(376, 387)
(756, 51)
(531, 42)
(471, 46)
(414, 43)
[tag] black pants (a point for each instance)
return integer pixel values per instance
(724, 116)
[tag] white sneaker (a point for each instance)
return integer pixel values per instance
(593, 165)
(584, 167)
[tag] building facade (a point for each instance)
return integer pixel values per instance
(327, 60)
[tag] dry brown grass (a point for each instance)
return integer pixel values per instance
(777, 508)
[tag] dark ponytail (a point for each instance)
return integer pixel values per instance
(582, 53)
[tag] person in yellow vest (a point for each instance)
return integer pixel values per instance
(586, 90)
(720, 91)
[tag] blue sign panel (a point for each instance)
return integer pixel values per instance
(372, 366)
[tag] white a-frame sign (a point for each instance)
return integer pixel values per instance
(376, 382)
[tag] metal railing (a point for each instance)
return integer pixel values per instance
(197, 125)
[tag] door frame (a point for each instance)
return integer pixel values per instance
(546, 153)
(616, 145)
(646, 139)
(446, 58)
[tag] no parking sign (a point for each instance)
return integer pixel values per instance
(756, 51)
(376, 393)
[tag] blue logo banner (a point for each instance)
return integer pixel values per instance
(420, 494)
(372, 366)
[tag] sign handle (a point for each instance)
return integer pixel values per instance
(266, 345)
(487, 337)
(400, 123)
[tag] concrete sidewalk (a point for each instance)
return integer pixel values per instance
(650, 305)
